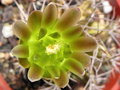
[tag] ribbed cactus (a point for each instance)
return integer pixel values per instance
(52, 46)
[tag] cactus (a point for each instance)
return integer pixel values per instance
(51, 46)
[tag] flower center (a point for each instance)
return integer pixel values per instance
(52, 49)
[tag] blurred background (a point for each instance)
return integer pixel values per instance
(99, 18)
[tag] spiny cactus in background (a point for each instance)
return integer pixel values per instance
(95, 24)
(52, 46)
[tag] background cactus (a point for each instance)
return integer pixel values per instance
(52, 46)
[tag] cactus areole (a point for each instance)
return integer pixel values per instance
(52, 46)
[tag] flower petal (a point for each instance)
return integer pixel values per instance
(54, 71)
(74, 66)
(63, 79)
(84, 44)
(83, 58)
(21, 30)
(49, 15)
(34, 20)
(24, 62)
(69, 18)
(72, 32)
(20, 51)
(35, 73)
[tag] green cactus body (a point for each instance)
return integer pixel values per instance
(52, 46)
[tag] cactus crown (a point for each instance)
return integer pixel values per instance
(52, 46)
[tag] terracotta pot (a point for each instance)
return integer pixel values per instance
(3, 84)
(116, 7)
(113, 82)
